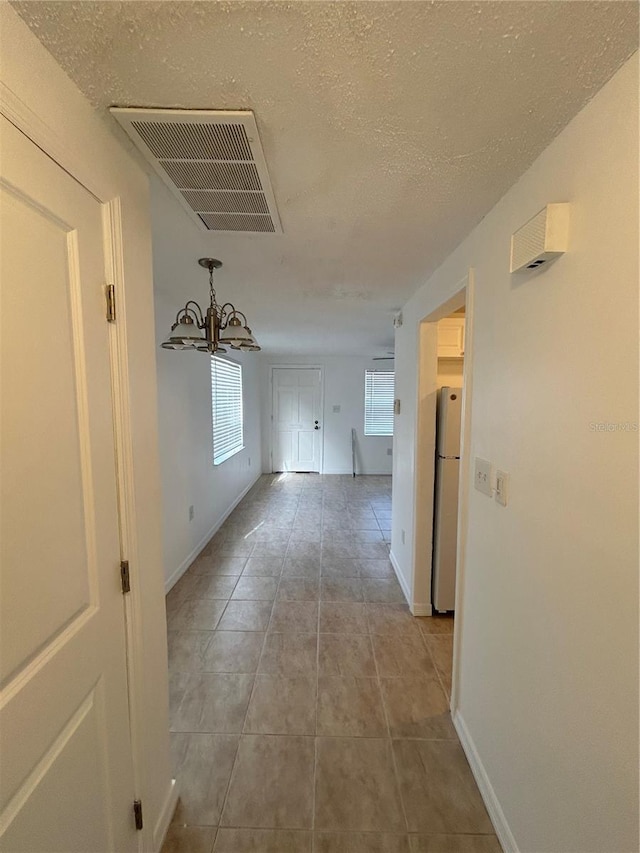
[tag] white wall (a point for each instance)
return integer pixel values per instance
(450, 372)
(68, 119)
(343, 378)
(548, 642)
(189, 477)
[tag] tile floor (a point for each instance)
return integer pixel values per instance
(309, 709)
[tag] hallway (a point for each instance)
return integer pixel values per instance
(309, 709)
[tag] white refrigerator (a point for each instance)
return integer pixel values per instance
(445, 518)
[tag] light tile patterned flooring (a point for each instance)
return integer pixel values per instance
(309, 709)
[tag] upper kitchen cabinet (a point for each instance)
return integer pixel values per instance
(451, 337)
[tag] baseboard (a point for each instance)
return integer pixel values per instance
(349, 471)
(162, 825)
(422, 609)
(498, 819)
(175, 576)
(401, 580)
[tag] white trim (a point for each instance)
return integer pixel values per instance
(177, 573)
(166, 813)
(425, 436)
(497, 816)
(466, 476)
(424, 429)
(422, 610)
(401, 580)
(128, 527)
(15, 110)
(464, 290)
(416, 609)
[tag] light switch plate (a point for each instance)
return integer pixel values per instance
(336, 410)
(502, 487)
(483, 477)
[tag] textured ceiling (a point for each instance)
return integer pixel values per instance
(389, 129)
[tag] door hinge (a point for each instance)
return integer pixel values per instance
(124, 576)
(137, 813)
(110, 292)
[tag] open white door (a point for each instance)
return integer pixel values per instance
(296, 419)
(66, 784)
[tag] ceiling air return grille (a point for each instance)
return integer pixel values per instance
(213, 163)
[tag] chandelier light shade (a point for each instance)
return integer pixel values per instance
(206, 331)
(235, 334)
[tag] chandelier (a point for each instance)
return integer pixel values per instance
(205, 332)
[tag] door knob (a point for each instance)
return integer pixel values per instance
(316, 425)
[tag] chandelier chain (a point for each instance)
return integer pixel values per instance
(212, 293)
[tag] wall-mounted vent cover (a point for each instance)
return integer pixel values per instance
(212, 161)
(543, 238)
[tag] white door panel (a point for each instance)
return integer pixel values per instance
(307, 406)
(64, 809)
(66, 781)
(445, 534)
(296, 419)
(305, 446)
(287, 399)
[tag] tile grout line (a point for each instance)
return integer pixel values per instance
(315, 739)
(224, 801)
(390, 739)
(240, 734)
(237, 750)
(437, 671)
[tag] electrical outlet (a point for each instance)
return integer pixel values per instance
(389, 451)
(191, 513)
(249, 462)
(502, 487)
(402, 536)
(483, 477)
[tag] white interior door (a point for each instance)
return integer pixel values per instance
(296, 419)
(66, 781)
(445, 538)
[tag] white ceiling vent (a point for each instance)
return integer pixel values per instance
(212, 161)
(543, 238)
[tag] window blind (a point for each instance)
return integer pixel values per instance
(226, 404)
(378, 402)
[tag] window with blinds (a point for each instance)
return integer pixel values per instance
(226, 404)
(378, 402)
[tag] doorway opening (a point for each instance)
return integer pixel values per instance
(447, 460)
(442, 457)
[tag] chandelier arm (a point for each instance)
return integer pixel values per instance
(197, 313)
(187, 312)
(227, 311)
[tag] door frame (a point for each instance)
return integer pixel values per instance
(41, 134)
(463, 294)
(273, 367)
